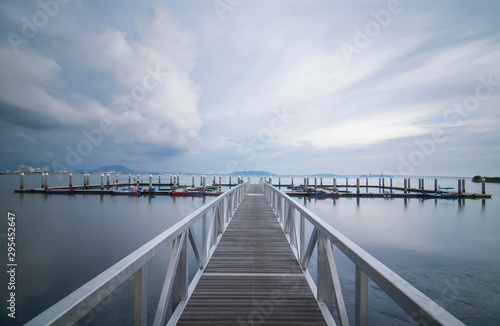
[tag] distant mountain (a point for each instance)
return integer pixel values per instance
(324, 175)
(116, 168)
(257, 173)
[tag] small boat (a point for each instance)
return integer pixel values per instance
(60, 191)
(189, 192)
(446, 195)
(126, 192)
(322, 193)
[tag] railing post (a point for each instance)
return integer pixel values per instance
(325, 284)
(361, 300)
(302, 236)
(140, 297)
(204, 244)
(180, 285)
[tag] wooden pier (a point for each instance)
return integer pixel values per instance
(253, 276)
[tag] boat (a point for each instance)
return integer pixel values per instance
(189, 192)
(60, 191)
(446, 195)
(322, 193)
(126, 192)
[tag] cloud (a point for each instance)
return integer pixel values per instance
(141, 84)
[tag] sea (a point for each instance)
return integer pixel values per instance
(448, 249)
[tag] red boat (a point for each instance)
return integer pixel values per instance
(188, 192)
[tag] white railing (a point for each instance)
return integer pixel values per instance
(292, 216)
(175, 288)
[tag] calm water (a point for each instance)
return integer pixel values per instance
(450, 252)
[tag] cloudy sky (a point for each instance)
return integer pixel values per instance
(291, 87)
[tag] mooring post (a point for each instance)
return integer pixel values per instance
(102, 181)
(43, 179)
(292, 182)
(391, 184)
(107, 179)
(279, 181)
(21, 186)
(71, 180)
(419, 184)
(366, 182)
(483, 186)
(459, 187)
(315, 182)
(204, 183)
(463, 186)
(436, 185)
(116, 179)
(229, 181)
(409, 183)
(129, 179)
(346, 183)
(192, 181)
(220, 180)
(321, 181)
(334, 182)
(379, 182)
(383, 183)
(150, 183)
(405, 186)
(46, 180)
(88, 179)
(357, 184)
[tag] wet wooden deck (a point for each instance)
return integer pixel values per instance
(253, 277)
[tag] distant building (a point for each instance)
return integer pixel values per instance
(45, 169)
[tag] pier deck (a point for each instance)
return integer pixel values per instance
(253, 276)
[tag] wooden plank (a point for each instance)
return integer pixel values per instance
(253, 277)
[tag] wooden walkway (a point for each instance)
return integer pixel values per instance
(253, 277)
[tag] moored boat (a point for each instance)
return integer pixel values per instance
(60, 191)
(189, 192)
(446, 195)
(322, 193)
(126, 192)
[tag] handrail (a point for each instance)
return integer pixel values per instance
(77, 304)
(420, 307)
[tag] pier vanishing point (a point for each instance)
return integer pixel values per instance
(252, 247)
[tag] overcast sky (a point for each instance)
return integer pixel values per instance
(290, 87)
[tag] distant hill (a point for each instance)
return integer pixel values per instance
(116, 168)
(257, 173)
(324, 175)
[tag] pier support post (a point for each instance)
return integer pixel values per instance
(102, 181)
(436, 185)
(71, 180)
(357, 184)
(405, 186)
(46, 181)
(21, 186)
(483, 184)
(150, 183)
